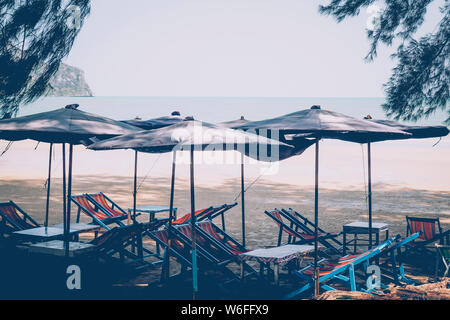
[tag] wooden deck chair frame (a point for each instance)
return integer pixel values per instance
(220, 212)
(206, 261)
(426, 238)
(12, 225)
(124, 241)
(442, 256)
(347, 264)
(307, 226)
(216, 251)
(303, 238)
(112, 204)
(394, 257)
(187, 217)
(99, 210)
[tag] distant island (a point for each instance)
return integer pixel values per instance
(69, 81)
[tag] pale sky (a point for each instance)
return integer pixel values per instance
(230, 48)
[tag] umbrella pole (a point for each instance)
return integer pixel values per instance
(243, 199)
(169, 241)
(135, 185)
(48, 184)
(64, 191)
(194, 240)
(369, 168)
(69, 195)
(316, 218)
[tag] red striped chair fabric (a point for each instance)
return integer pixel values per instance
(101, 199)
(84, 202)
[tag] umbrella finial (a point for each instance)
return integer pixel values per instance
(72, 106)
(175, 113)
(242, 118)
(315, 107)
(368, 117)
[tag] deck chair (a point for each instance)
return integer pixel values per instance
(180, 249)
(107, 205)
(123, 242)
(442, 255)
(216, 243)
(307, 226)
(431, 232)
(207, 213)
(393, 266)
(98, 214)
(220, 212)
(296, 232)
(334, 269)
(14, 218)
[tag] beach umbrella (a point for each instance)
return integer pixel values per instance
(315, 124)
(297, 149)
(190, 136)
(155, 123)
(66, 125)
(416, 132)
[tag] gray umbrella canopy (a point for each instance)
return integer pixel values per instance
(155, 123)
(64, 125)
(197, 134)
(417, 132)
(320, 123)
(234, 123)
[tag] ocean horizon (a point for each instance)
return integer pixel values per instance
(411, 164)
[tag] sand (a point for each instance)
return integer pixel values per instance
(336, 207)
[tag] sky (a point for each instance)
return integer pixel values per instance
(227, 48)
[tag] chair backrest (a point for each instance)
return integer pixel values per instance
(116, 237)
(106, 203)
(218, 211)
(187, 216)
(86, 206)
(219, 235)
(16, 217)
(277, 217)
(430, 227)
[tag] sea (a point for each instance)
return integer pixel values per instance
(408, 164)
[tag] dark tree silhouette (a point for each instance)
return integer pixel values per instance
(35, 35)
(419, 84)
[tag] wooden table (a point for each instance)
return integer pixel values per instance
(278, 256)
(52, 232)
(152, 210)
(57, 248)
(360, 227)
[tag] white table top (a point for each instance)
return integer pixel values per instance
(56, 247)
(151, 209)
(364, 224)
(55, 231)
(278, 254)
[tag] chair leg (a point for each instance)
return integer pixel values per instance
(351, 274)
